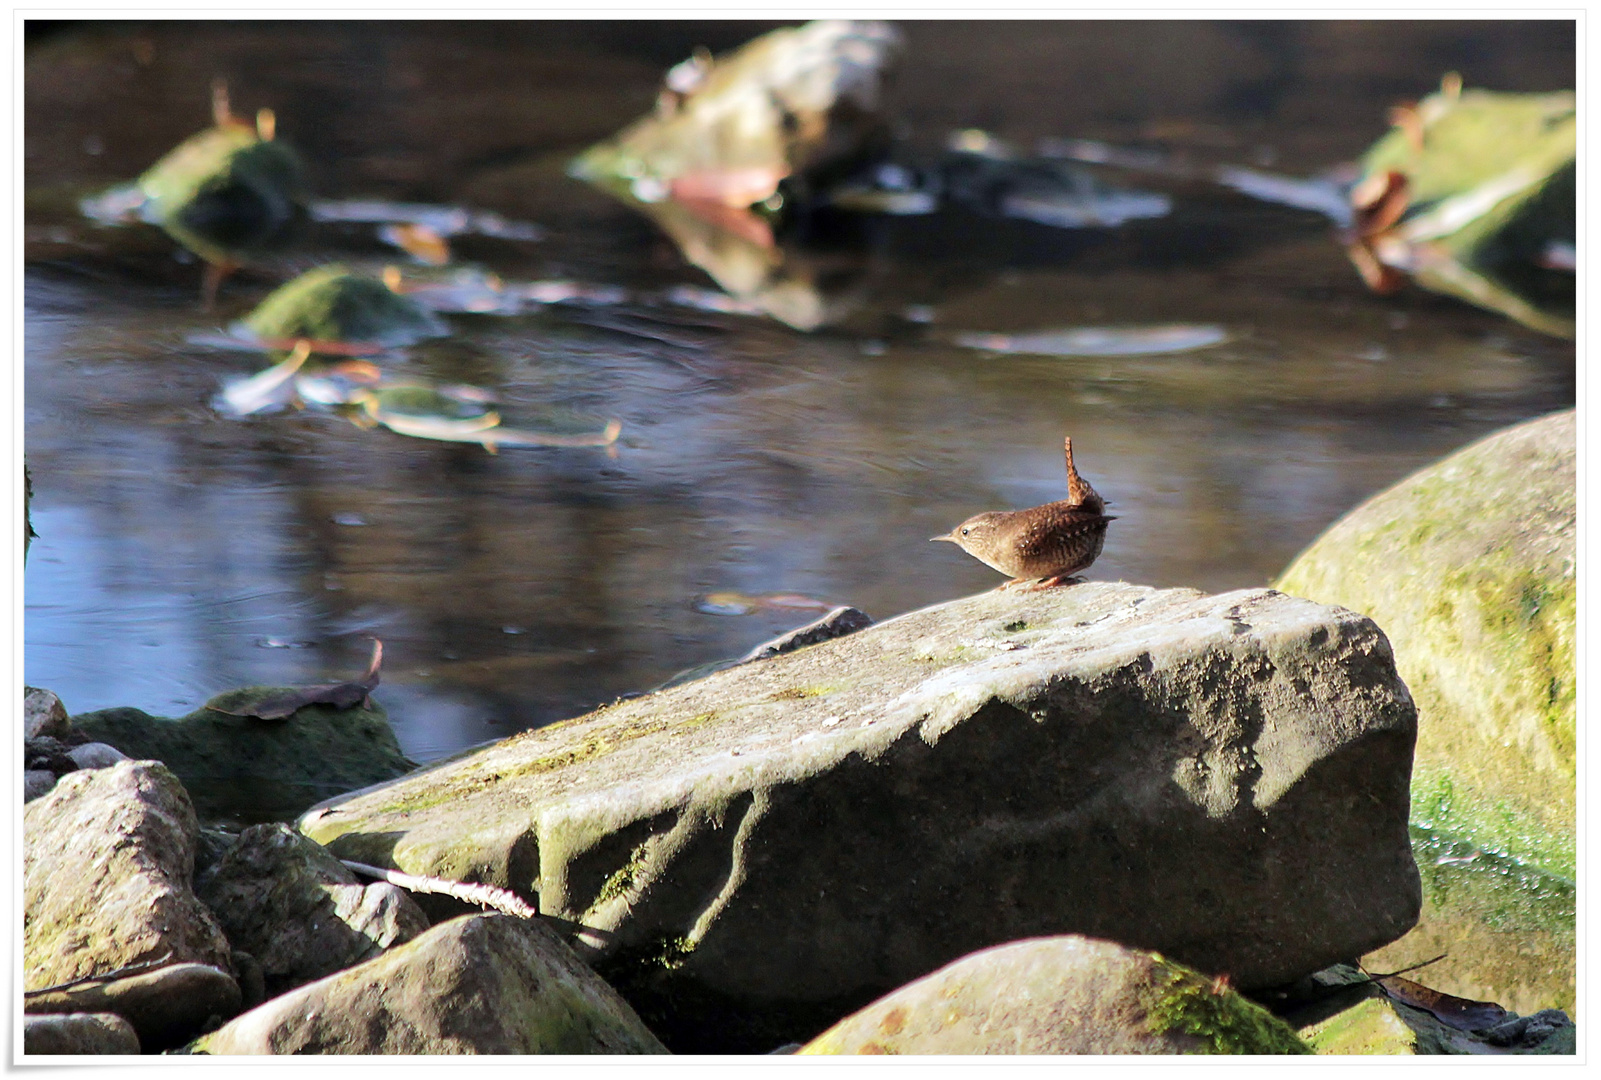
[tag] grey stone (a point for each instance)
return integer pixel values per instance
(1221, 778)
(78, 1033)
(297, 909)
(1061, 995)
(1469, 566)
(836, 624)
(167, 1006)
(96, 755)
(36, 782)
(107, 859)
(43, 714)
(479, 984)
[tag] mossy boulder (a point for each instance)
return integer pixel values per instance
(226, 193)
(799, 102)
(751, 855)
(479, 984)
(259, 770)
(1490, 185)
(1061, 995)
(1469, 567)
(334, 304)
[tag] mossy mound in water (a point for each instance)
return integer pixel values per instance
(1489, 198)
(332, 303)
(226, 192)
(254, 769)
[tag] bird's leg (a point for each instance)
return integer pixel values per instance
(1049, 582)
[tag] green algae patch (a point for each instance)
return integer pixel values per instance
(225, 192)
(1469, 568)
(1371, 1027)
(1507, 929)
(1185, 1002)
(258, 770)
(333, 304)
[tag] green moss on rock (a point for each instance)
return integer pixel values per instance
(1185, 1002)
(1469, 568)
(332, 303)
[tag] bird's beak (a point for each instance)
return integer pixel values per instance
(951, 536)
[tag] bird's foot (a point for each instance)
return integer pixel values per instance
(1037, 584)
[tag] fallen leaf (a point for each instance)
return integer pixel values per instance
(1463, 1014)
(278, 704)
(419, 241)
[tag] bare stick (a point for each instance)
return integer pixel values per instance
(107, 976)
(473, 893)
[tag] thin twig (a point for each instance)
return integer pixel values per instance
(118, 973)
(1390, 975)
(472, 892)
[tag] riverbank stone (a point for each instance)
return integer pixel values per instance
(43, 714)
(166, 1007)
(1221, 778)
(1061, 995)
(478, 984)
(1469, 565)
(238, 766)
(298, 911)
(107, 859)
(78, 1033)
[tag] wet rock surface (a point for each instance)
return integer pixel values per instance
(107, 859)
(1061, 995)
(78, 1033)
(778, 844)
(1469, 567)
(482, 984)
(298, 911)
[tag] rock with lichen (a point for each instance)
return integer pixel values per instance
(778, 844)
(1061, 995)
(478, 984)
(1470, 565)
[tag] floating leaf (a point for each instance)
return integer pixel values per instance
(419, 241)
(441, 220)
(1098, 340)
(733, 603)
(267, 389)
(275, 704)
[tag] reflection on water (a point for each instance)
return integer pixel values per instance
(180, 550)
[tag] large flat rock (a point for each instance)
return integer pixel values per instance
(757, 853)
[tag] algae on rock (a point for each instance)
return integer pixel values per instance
(1469, 567)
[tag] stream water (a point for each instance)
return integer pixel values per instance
(182, 552)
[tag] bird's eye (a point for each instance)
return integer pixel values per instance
(966, 531)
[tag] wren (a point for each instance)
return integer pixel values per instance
(1044, 545)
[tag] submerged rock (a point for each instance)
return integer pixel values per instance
(1469, 566)
(298, 911)
(333, 304)
(1217, 777)
(260, 770)
(479, 984)
(107, 858)
(78, 1033)
(1061, 995)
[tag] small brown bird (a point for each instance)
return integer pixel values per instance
(1044, 545)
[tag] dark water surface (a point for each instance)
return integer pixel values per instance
(181, 553)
